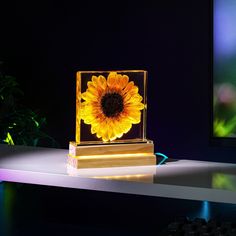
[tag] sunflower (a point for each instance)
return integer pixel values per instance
(111, 106)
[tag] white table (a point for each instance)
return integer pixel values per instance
(181, 179)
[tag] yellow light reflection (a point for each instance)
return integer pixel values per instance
(138, 178)
(118, 156)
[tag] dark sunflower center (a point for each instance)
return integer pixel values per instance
(112, 104)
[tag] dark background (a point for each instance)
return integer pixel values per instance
(44, 44)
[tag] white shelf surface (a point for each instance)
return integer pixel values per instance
(181, 179)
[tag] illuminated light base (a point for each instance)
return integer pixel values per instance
(111, 155)
(96, 161)
(96, 148)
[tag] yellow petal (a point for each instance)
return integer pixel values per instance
(112, 130)
(134, 106)
(93, 91)
(111, 134)
(102, 131)
(117, 82)
(128, 98)
(94, 129)
(91, 84)
(105, 136)
(88, 96)
(135, 117)
(117, 129)
(111, 80)
(102, 82)
(125, 125)
(129, 85)
(85, 109)
(94, 80)
(123, 81)
(133, 90)
(89, 119)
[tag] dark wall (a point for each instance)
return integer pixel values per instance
(44, 44)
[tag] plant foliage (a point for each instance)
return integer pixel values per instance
(19, 125)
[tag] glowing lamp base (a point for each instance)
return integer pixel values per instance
(120, 154)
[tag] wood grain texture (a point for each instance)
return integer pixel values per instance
(100, 161)
(110, 149)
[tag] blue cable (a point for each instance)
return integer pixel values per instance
(162, 155)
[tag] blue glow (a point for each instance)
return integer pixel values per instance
(205, 211)
(162, 155)
(224, 28)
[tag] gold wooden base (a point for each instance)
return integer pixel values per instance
(111, 155)
(110, 149)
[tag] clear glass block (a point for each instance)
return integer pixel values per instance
(111, 106)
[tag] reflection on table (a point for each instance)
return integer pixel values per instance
(143, 174)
